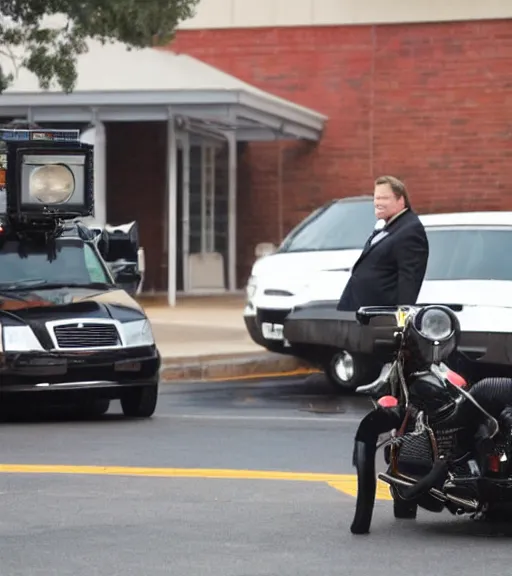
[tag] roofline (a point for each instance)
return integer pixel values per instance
(247, 104)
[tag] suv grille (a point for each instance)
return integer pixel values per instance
(86, 335)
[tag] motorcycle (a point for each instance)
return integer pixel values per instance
(449, 442)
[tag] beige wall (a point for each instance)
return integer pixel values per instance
(254, 13)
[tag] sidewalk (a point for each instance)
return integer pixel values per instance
(204, 338)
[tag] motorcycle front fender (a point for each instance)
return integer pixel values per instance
(377, 422)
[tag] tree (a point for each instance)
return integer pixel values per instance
(50, 51)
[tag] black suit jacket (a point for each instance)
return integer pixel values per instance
(390, 271)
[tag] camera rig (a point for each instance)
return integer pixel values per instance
(47, 187)
(46, 179)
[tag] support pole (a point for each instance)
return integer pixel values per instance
(232, 194)
(172, 192)
(100, 173)
(185, 216)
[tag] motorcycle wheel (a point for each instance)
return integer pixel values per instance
(402, 509)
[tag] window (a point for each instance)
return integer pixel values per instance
(75, 263)
(341, 225)
(469, 253)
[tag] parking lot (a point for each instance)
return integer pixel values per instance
(228, 479)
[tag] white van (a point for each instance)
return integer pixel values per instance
(330, 238)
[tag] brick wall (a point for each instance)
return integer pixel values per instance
(136, 184)
(431, 103)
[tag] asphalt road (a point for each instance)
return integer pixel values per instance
(227, 479)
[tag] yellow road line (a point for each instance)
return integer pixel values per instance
(346, 483)
(268, 375)
(349, 486)
(172, 472)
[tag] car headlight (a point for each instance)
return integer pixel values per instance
(51, 183)
(250, 289)
(436, 324)
(19, 339)
(137, 333)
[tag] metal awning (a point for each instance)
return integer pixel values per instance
(116, 84)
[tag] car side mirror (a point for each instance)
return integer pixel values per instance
(126, 276)
(264, 249)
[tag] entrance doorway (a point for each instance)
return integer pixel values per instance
(203, 250)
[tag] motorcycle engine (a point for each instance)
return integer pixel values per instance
(435, 425)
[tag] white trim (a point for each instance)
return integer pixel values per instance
(214, 105)
(260, 135)
(125, 98)
(281, 109)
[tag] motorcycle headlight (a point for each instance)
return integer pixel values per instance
(435, 324)
(137, 333)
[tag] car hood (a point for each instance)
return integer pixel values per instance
(60, 303)
(292, 270)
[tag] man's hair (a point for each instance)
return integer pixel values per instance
(397, 186)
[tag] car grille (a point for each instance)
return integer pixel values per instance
(86, 335)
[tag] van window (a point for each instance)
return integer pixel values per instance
(341, 225)
(469, 253)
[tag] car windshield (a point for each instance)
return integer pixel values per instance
(469, 253)
(76, 263)
(340, 226)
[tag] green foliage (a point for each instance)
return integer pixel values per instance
(50, 52)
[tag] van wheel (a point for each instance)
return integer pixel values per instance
(348, 371)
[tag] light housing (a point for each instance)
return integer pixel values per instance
(433, 334)
(49, 175)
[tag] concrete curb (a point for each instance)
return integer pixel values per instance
(231, 367)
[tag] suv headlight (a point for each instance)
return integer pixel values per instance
(137, 333)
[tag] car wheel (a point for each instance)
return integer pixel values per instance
(346, 371)
(140, 401)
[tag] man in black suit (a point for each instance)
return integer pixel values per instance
(391, 268)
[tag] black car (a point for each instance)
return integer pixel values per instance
(68, 327)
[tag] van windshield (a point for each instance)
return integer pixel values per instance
(469, 253)
(341, 225)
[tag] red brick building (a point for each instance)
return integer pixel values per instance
(429, 102)
(422, 91)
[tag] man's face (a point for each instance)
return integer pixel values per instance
(386, 203)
